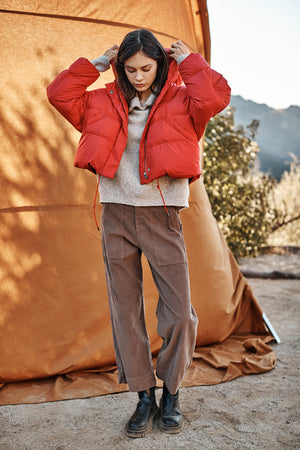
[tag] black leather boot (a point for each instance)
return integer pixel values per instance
(171, 419)
(141, 421)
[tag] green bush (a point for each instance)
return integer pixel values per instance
(238, 193)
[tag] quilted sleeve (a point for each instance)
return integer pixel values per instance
(67, 93)
(208, 91)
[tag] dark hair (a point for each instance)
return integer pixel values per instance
(145, 41)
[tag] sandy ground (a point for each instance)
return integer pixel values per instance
(254, 412)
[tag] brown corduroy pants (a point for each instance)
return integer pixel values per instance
(127, 232)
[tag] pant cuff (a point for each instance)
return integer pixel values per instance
(172, 388)
(141, 383)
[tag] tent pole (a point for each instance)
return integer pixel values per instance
(271, 328)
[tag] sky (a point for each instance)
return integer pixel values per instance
(255, 44)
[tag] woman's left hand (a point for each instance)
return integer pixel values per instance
(178, 48)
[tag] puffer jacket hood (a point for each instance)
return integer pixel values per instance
(173, 73)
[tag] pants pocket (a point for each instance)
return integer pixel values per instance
(112, 234)
(167, 238)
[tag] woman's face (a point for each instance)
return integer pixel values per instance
(141, 73)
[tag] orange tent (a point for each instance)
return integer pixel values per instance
(55, 334)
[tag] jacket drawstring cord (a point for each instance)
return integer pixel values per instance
(94, 205)
(165, 206)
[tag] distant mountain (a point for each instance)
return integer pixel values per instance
(278, 133)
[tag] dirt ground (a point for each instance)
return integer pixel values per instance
(254, 412)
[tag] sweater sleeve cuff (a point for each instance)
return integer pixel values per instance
(181, 58)
(101, 63)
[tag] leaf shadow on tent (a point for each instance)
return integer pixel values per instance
(45, 201)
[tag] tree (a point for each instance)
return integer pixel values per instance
(238, 193)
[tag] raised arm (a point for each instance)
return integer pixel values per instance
(68, 92)
(208, 91)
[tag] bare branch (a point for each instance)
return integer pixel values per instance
(285, 222)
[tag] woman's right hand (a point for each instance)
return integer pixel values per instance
(111, 53)
(102, 63)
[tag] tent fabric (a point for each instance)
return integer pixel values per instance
(55, 333)
(185, 19)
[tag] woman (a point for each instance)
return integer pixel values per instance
(140, 135)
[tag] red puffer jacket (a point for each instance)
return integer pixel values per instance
(170, 141)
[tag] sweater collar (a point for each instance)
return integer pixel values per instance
(136, 103)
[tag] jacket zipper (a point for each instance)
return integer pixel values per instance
(145, 155)
(147, 169)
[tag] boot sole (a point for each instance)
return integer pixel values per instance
(169, 429)
(142, 431)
